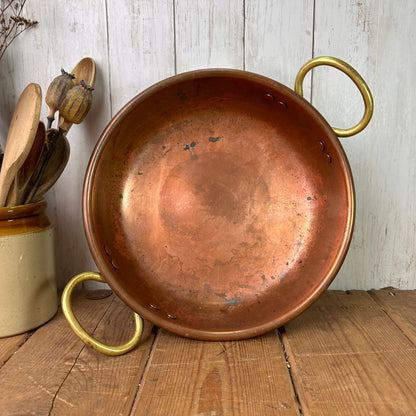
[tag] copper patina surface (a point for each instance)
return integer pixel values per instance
(218, 204)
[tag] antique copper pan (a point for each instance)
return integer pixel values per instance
(219, 204)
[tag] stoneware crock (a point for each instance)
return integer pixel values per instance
(28, 296)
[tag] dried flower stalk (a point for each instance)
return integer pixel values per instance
(12, 23)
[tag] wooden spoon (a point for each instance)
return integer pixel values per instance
(84, 70)
(52, 169)
(19, 188)
(21, 135)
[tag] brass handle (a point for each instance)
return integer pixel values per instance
(82, 333)
(356, 78)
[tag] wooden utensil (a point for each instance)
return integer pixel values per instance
(19, 188)
(53, 168)
(85, 70)
(21, 135)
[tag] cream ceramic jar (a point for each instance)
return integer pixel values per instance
(28, 295)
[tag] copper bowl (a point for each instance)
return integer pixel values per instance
(219, 204)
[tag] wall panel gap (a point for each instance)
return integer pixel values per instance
(281, 334)
(110, 94)
(244, 35)
(140, 386)
(175, 65)
(313, 44)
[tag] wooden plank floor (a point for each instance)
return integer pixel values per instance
(351, 353)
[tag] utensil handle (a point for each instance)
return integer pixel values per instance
(355, 77)
(82, 333)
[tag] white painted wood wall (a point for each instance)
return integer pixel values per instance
(136, 43)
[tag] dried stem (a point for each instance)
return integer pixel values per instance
(12, 23)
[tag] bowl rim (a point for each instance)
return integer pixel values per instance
(172, 325)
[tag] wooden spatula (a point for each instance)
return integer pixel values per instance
(21, 135)
(53, 168)
(19, 188)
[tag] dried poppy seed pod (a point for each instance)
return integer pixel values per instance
(76, 105)
(56, 93)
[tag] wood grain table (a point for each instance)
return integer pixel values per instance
(351, 353)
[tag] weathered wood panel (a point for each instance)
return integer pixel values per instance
(376, 38)
(9, 345)
(101, 384)
(209, 33)
(400, 305)
(32, 377)
(349, 358)
(348, 31)
(391, 197)
(186, 377)
(351, 353)
(278, 38)
(136, 43)
(141, 47)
